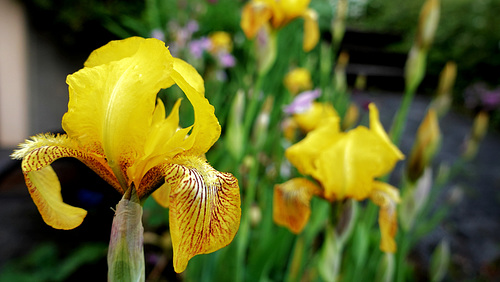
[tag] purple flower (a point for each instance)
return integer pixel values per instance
(226, 60)
(302, 102)
(192, 26)
(158, 34)
(480, 96)
(198, 46)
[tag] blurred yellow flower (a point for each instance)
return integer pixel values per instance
(313, 117)
(117, 127)
(277, 14)
(298, 80)
(220, 42)
(345, 164)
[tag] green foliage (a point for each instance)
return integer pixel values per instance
(45, 263)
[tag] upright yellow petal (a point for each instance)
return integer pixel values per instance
(394, 154)
(303, 155)
(348, 167)
(112, 100)
(164, 140)
(114, 51)
(206, 128)
(291, 203)
(204, 209)
(315, 116)
(294, 8)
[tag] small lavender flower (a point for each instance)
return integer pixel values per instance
(226, 60)
(198, 46)
(302, 102)
(192, 26)
(158, 34)
(480, 96)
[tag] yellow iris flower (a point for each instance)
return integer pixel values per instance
(277, 14)
(298, 80)
(345, 164)
(117, 127)
(221, 42)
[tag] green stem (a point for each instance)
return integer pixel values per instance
(125, 253)
(253, 105)
(404, 245)
(399, 122)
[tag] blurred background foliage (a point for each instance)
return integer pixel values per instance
(468, 33)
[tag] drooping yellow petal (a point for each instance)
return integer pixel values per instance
(112, 99)
(44, 187)
(206, 128)
(204, 209)
(291, 203)
(43, 149)
(253, 17)
(311, 30)
(45, 190)
(386, 197)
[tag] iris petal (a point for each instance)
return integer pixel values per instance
(394, 154)
(315, 116)
(303, 154)
(45, 190)
(206, 128)
(43, 184)
(113, 99)
(386, 197)
(311, 30)
(204, 209)
(253, 17)
(291, 203)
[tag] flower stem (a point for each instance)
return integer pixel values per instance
(125, 253)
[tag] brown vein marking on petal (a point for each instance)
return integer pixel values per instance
(291, 203)
(44, 156)
(152, 180)
(204, 209)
